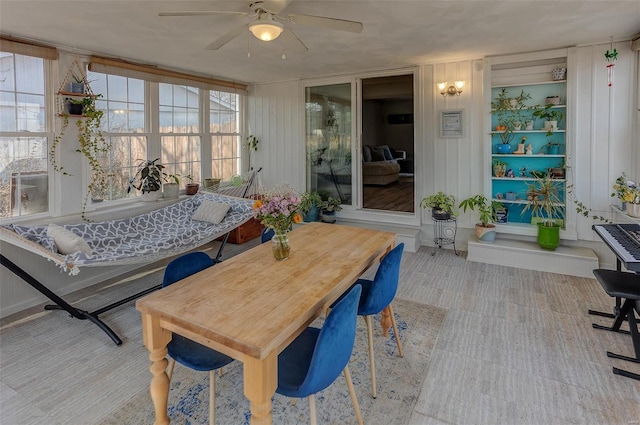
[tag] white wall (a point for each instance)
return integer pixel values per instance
(605, 133)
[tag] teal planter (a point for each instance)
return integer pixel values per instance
(312, 215)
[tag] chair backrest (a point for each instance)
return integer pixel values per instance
(267, 234)
(186, 265)
(385, 283)
(334, 344)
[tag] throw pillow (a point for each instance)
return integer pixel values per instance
(366, 153)
(212, 212)
(377, 154)
(67, 241)
(386, 151)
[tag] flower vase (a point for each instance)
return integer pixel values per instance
(280, 246)
(633, 210)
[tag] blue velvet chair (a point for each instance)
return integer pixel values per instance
(267, 234)
(317, 356)
(377, 295)
(183, 350)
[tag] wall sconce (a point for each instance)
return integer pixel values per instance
(451, 90)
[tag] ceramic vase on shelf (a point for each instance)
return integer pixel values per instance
(280, 246)
(633, 210)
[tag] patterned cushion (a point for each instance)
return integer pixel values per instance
(212, 212)
(67, 241)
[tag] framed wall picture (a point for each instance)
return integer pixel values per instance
(451, 123)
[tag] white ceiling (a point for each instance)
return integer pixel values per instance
(396, 33)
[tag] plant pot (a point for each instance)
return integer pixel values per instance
(551, 125)
(557, 173)
(170, 190)
(312, 215)
(529, 125)
(553, 150)
(440, 214)
(76, 87)
(328, 216)
(486, 234)
(548, 236)
(558, 74)
(211, 184)
(503, 148)
(151, 196)
(633, 210)
(192, 188)
(499, 170)
(502, 215)
(74, 108)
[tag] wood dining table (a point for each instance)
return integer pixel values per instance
(251, 306)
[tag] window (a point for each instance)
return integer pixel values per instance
(24, 139)
(124, 128)
(226, 142)
(179, 129)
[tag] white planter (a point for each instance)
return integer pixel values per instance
(551, 125)
(170, 190)
(151, 196)
(633, 210)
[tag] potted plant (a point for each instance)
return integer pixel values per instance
(552, 147)
(310, 204)
(191, 188)
(329, 208)
(509, 115)
(441, 204)
(551, 116)
(547, 210)
(623, 190)
(148, 180)
(171, 186)
(485, 230)
(77, 85)
(499, 168)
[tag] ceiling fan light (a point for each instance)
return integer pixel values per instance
(266, 31)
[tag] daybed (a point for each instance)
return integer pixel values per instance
(380, 166)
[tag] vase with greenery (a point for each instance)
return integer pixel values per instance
(547, 209)
(147, 179)
(310, 204)
(442, 205)
(487, 210)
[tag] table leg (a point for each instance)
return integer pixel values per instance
(156, 339)
(260, 383)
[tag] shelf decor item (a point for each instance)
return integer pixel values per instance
(442, 205)
(499, 168)
(624, 189)
(557, 74)
(610, 55)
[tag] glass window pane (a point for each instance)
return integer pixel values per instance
(7, 72)
(24, 178)
(328, 140)
(31, 115)
(29, 75)
(136, 90)
(8, 115)
(117, 88)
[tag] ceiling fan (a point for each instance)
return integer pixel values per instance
(267, 25)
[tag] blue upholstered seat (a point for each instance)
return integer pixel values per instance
(377, 295)
(317, 356)
(267, 234)
(183, 350)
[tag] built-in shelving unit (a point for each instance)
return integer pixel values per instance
(531, 75)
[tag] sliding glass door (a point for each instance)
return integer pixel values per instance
(328, 138)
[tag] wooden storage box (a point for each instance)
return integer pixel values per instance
(249, 230)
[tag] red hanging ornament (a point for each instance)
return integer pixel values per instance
(611, 55)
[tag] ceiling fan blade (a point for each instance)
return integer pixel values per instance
(226, 38)
(291, 42)
(202, 13)
(322, 22)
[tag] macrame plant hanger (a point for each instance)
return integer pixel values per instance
(75, 73)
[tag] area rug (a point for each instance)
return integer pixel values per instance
(399, 382)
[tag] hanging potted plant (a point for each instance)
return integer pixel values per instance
(442, 205)
(547, 210)
(148, 180)
(485, 230)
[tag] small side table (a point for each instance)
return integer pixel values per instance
(444, 235)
